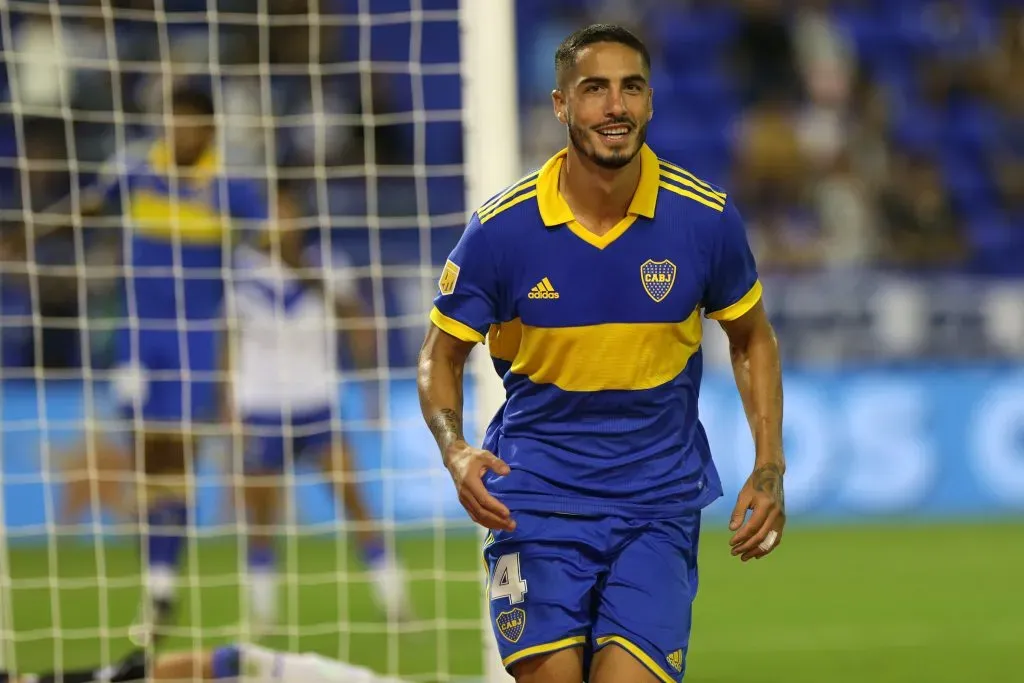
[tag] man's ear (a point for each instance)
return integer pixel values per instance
(558, 104)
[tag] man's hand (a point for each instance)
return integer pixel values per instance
(467, 465)
(761, 533)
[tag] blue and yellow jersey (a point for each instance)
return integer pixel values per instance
(599, 338)
(180, 233)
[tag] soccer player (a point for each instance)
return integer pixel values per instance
(242, 663)
(180, 214)
(590, 278)
(284, 384)
(97, 471)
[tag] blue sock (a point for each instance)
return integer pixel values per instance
(261, 558)
(226, 662)
(374, 552)
(167, 520)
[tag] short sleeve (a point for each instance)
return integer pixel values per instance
(246, 201)
(467, 302)
(732, 286)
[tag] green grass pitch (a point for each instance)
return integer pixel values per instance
(887, 603)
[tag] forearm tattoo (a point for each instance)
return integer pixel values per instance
(768, 479)
(446, 426)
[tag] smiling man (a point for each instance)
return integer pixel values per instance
(590, 278)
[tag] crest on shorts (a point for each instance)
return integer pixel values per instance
(675, 660)
(658, 278)
(511, 624)
(449, 276)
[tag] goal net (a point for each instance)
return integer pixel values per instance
(364, 110)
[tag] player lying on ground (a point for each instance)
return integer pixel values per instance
(242, 663)
(590, 278)
(284, 314)
(179, 213)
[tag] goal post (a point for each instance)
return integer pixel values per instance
(492, 161)
(358, 108)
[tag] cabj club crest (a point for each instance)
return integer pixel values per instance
(658, 278)
(511, 624)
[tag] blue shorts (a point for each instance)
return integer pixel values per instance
(562, 581)
(271, 439)
(167, 375)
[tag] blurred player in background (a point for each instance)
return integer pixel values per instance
(97, 474)
(590, 277)
(242, 663)
(180, 212)
(284, 391)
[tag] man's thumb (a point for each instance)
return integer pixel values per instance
(499, 466)
(738, 513)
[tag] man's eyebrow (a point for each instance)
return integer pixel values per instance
(604, 80)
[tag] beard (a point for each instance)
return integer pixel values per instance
(613, 160)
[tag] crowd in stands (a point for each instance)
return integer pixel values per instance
(852, 133)
(855, 135)
(81, 91)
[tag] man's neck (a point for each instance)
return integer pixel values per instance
(605, 193)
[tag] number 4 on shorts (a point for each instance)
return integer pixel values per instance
(506, 581)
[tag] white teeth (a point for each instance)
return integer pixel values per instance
(615, 131)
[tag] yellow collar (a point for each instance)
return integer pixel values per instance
(203, 170)
(555, 211)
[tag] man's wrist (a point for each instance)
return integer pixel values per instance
(776, 463)
(451, 451)
(446, 426)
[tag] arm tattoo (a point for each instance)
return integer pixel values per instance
(446, 426)
(768, 479)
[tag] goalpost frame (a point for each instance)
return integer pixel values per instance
(490, 125)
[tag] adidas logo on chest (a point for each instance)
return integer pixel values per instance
(543, 290)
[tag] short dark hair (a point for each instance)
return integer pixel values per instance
(568, 52)
(192, 98)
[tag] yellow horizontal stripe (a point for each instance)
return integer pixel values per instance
(692, 195)
(733, 312)
(623, 356)
(508, 192)
(641, 656)
(455, 328)
(683, 171)
(680, 180)
(544, 649)
(174, 217)
(507, 205)
(503, 340)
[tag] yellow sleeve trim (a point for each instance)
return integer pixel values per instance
(455, 328)
(740, 307)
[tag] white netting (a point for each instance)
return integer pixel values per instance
(355, 106)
